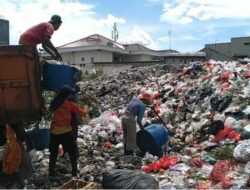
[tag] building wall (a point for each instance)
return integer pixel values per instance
(4, 32)
(182, 60)
(134, 58)
(237, 48)
(218, 51)
(87, 57)
(216, 55)
(240, 47)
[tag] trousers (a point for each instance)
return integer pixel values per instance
(69, 145)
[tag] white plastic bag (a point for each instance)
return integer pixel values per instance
(103, 119)
(242, 151)
(247, 168)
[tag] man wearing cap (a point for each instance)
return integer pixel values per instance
(134, 113)
(41, 34)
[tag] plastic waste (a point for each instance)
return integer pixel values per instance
(182, 167)
(242, 151)
(209, 159)
(247, 168)
(128, 179)
(221, 169)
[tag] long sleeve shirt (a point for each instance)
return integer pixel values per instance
(137, 108)
(61, 118)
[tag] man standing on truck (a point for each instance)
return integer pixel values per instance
(41, 34)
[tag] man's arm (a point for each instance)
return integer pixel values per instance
(49, 48)
(140, 116)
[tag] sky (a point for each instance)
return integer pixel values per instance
(182, 25)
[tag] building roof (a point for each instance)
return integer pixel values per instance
(93, 40)
(99, 42)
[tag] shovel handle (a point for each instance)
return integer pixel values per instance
(170, 133)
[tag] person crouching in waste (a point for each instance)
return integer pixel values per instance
(134, 113)
(61, 130)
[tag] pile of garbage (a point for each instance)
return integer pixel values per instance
(205, 105)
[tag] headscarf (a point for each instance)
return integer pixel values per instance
(62, 95)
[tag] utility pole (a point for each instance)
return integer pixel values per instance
(169, 35)
(115, 33)
(215, 43)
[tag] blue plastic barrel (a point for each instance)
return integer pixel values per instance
(152, 138)
(55, 76)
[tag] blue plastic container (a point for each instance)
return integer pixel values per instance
(152, 138)
(40, 137)
(55, 76)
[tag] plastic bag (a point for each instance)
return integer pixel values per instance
(156, 167)
(247, 168)
(242, 151)
(226, 75)
(221, 169)
(103, 119)
(168, 161)
(26, 168)
(203, 185)
(164, 163)
(181, 167)
(128, 179)
(227, 183)
(107, 145)
(12, 153)
(196, 162)
(247, 110)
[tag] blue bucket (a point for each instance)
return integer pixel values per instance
(40, 137)
(55, 76)
(152, 138)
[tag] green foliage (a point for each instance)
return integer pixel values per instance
(48, 97)
(95, 75)
(222, 153)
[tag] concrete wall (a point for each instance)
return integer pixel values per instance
(87, 57)
(215, 55)
(4, 32)
(134, 58)
(218, 51)
(224, 48)
(237, 48)
(240, 47)
(182, 60)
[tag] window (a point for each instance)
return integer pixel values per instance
(83, 59)
(173, 60)
(180, 60)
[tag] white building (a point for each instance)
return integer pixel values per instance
(96, 49)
